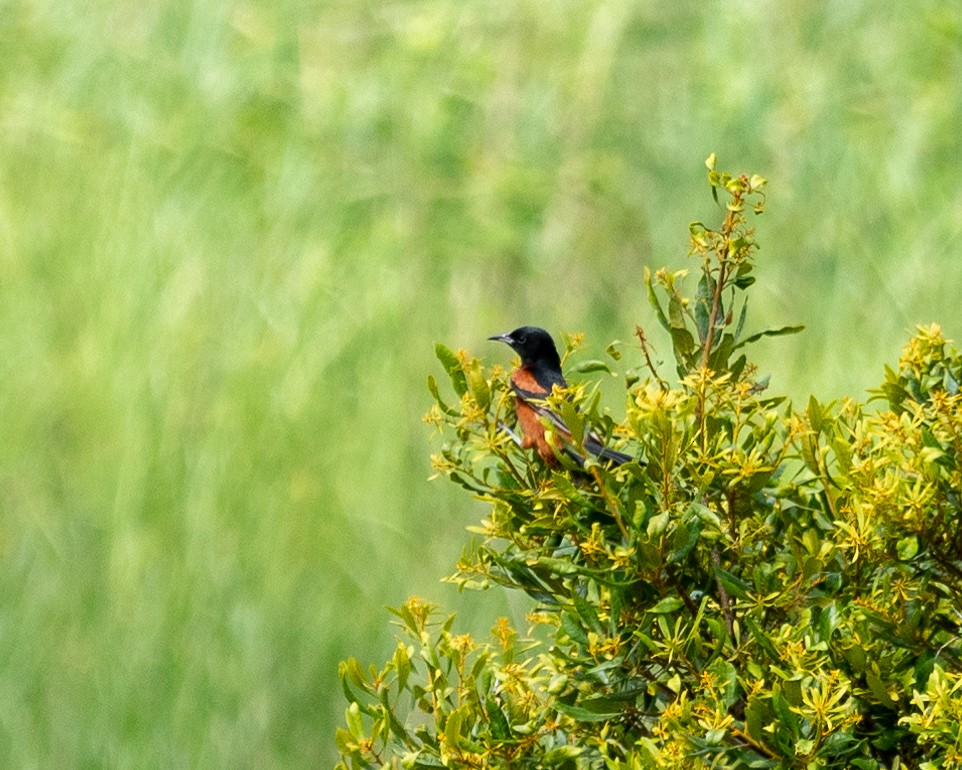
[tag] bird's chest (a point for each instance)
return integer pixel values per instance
(525, 381)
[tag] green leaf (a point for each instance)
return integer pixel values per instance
(594, 365)
(684, 345)
(345, 743)
(653, 301)
(467, 483)
(742, 315)
(714, 737)
(355, 673)
(453, 727)
(422, 761)
(404, 613)
(793, 691)
(500, 728)
(560, 755)
(658, 524)
(564, 485)
(704, 297)
(718, 361)
(433, 388)
(856, 657)
(684, 540)
(809, 448)
(402, 665)
(574, 629)
(557, 684)
(737, 367)
(558, 566)
(907, 548)
(478, 385)
(828, 620)
(878, 688)
(654, 753)
(735, 586)
(349, 695)
(667, 605)
(588, 613)
(352, 715)
(727, 676)
(761, 638)
(574, 420)
(582, 714)
(756, 717)
(783, 710)
(676, 313)
(452, 365)
(815, 414)
(769, 333)
(393, 724)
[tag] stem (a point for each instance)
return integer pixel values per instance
(640, 334)
(761, 748)
(612, 506)
(723, 596)
(727, 226)
(504, 455)
(676, 583)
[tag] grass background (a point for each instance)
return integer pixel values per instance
(230, 233)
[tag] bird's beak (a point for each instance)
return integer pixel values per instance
(506, 338)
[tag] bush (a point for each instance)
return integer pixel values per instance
(765, 586)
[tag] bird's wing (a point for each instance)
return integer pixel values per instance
(536, 400)
(533, 393)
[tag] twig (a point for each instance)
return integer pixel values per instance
(511, 434)
(643, 340)
(723, 595)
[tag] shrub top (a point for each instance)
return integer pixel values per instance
(765, 586)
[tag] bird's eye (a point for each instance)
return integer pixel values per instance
(521, 340)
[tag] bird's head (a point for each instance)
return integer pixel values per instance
(533, 344)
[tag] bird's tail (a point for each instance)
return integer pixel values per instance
(614, 456)
(593, 445)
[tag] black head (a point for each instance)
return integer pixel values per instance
(534, 345)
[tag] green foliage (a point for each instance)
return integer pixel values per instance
(766, 586)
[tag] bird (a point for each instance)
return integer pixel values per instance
(539, 372)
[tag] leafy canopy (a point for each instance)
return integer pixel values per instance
(764, 587)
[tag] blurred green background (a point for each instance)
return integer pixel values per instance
(230, 233)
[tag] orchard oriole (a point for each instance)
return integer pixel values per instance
(539, 372)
